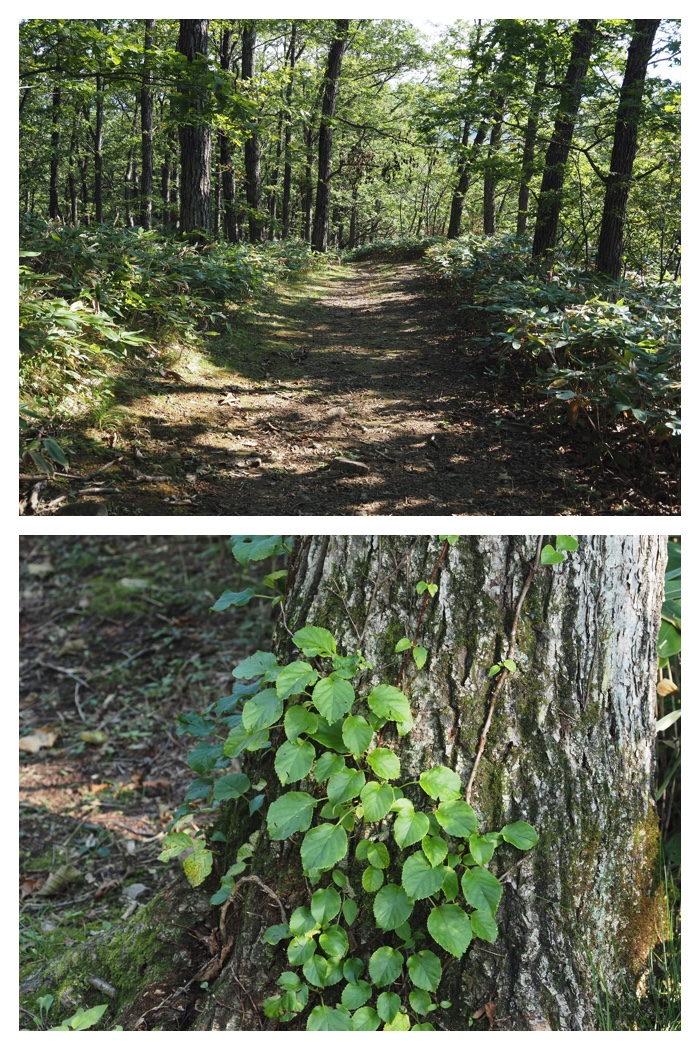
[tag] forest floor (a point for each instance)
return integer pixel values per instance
(353, 392)
(116, 639)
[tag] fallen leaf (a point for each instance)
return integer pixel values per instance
(665, 687)
(94, 736)
(28, 701)
(39, 568)
(58, 880)
(45, 737)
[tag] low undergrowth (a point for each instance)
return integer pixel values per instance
(609, 350)
(400, 250)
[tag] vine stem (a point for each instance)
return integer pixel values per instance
(407, 657)
(504, 673)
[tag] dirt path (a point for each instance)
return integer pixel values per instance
(364, 364)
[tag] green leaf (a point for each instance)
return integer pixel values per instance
(329, 1019)
(356, 995)
(420, 655)
(315, 641)
(300, 950)
(328, 765)
(275, 934)
(425, 1027)
(387, 701)
(329, 735)
(481, 848)
(450, 883)
(402, 645)
(174, 843)
(420, 1001)
(409, 826)
(372, 879)
(84, 1019)
(294, 678)
(520, 834)
(255, 665)
(385, 965)
(388, 1005)
(302, 921)
(401, 1023)
(661, 723)
(441, 782)
(352, 968)
(419, 878)
(375, 853)
(289, 813)
(350, 910)
(289, 980)
(449, 926)
(298, 720)
(481, 889)
(493, 670)
(323, 847)
(457, 818)
(262, 711)
(333, 697)
(551, 557)
(366, 1019)
(233, 785)
(423, 586)
(198, 865)
(377, 800)
(384, 763)
(435, 849)
(391, 906)
(357, 734)
(255, 548)
(345, 786)
(239, 740)
(54, 450)
(567, 543)
(425, 970)
(334, 942)
(484, 925)
(229, 598)
(325, 905)
(339, 878)
(199, 788)
(294, 760)
(204, 757)
(669, 642)
(510, 665)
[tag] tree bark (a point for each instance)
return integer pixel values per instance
(619, 180)
(99, 116)
(195, 135)
(490, 177)
(319, 237)
(252, 142)
(529, 145)
(54, 207)
(147, 130)
(465, 176)
(228, 177)
(549, 204)
(287, 147)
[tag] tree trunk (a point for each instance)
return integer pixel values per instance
(147, 130)
(195, 136)
(99, 116)
(287, 147)
(619, 180)
(529, 145)
(319, 237)
(252, 142)
(570, 750)
(307, 193)
(549, 204)
(490, 177)
(54, 207)
(228, 177)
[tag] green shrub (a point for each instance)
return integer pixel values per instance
(400, 250)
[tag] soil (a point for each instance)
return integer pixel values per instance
(359, 392)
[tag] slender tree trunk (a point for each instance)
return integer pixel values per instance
(165, 168)
(147, 130)
(529, 145)
(464, 179)
(195, 136)
(72, 185)
(129, 175)
(228, 177)
(99, 117)
(490, 177)
(287, 147)
(319, 238)
(619, 180)
(54, 207)
(252, 142)
(549, 204)
(307, 196)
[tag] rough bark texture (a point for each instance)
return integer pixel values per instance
(228, 177)
(549, 204)
(319, 239)
(629, 114)
(252, 143)
(529, 145)
(490, 176)
(571, 750)
(147, 129)
(99, 119)
(54, 212)
(195, 136)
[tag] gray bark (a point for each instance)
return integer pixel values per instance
(570, 750)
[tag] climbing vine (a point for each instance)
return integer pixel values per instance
(347, 805)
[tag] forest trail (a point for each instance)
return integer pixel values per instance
(363, 363)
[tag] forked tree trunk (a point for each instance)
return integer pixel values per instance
(570, 750)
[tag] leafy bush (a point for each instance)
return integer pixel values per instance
(605, 348)
(399, 250)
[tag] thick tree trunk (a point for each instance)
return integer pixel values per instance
(147, 130)
(549, 204)
(624, 149)
(252, 143)
(570, 750)
(319, 238)
(195, 136)
(529, 144)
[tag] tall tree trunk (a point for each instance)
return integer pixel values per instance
(54, 207)
(624, 149)
(490, 178)
(319, 237)
(529, 145)
(99, 118)
(252, 142)
(287, 146)
(307, 193)
(195, 136)
(228, 177)
(549, 204)
(464, 180)
(129, 175)
(147, 130)
(72, 184)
